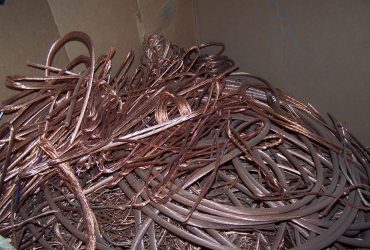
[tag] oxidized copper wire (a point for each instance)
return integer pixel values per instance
(183, 152)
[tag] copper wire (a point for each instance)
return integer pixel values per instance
(184, 152)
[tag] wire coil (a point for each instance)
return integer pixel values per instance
(186, 152)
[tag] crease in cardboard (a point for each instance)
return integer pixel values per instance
(57, 25)
(196, 16)
(152, 17)
(140, 26)
(286, 23)
(167, 14)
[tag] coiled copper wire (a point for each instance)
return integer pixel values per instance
(186, 152)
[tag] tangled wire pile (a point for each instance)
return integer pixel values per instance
(185, 152)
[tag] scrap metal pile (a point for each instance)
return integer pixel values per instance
(184, 152)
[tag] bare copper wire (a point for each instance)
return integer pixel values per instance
(185, 152)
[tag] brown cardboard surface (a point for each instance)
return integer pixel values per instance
(27, 29)
(317, 51)
(172, 18)
(108, 23)
(124, 24)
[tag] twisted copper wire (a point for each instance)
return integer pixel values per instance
(185, 152)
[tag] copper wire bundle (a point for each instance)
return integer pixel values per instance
(184, 152)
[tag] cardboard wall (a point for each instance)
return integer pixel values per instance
(27, 29)
(108, 23)
(173, 18)
(317, 51)
(124, 24)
